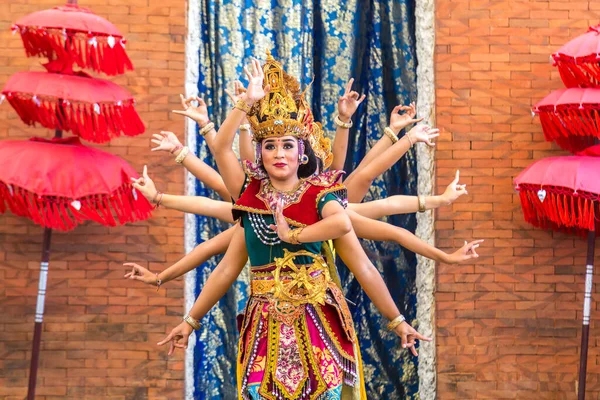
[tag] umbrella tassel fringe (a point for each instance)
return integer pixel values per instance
(558, 211)
(60, 213)
(50, 43)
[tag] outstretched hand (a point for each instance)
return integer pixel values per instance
(139, 273)
(145, 185)
(349, 102)
(282, 228)
(178, 337)
(465, 253)
(165, 141)
(401, 121)
(255, 90)
(409, 336)
(423, 134)
(454, 190)
(198, 113)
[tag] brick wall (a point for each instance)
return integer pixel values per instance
(100, 330)
(508, 326)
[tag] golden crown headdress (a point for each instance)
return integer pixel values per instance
(285, 112)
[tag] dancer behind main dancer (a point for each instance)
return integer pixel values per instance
(297, 339)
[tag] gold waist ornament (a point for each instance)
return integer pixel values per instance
(296, 283)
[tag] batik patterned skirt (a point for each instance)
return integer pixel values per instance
(297, 340)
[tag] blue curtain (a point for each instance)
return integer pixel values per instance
(330, 41)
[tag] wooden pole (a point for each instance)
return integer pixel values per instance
(39, 314)
(587, 303)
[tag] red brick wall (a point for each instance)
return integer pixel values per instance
(100, 330)
(508, 326)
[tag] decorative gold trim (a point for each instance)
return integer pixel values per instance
(325, 192)
(265, 212)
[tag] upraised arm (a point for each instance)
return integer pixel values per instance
(169, 142)
(347, 105)
(229, 166)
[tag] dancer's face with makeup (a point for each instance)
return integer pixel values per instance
(280, 157)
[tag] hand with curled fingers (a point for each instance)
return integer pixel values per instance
(348, 103)
(454, 190)
(423, 134)
(400, 121)
(255, 90)
(178, 337)
(409, 337)
(198, 113)
(139, 273)
(465, 253)
(282, 228)
(145, 186)
(166, 141)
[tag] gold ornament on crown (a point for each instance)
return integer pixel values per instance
(285, 112)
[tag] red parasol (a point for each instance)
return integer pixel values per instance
(74, 33)
(60, 183)
(94, 109)
(64, 185)
(571, 117)
(563, 193)
(578, 61)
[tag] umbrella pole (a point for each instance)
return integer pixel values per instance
(587, 303)
(39, 314)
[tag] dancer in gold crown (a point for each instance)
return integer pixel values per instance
(297, 339)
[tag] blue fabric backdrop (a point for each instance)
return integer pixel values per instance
(372, 41)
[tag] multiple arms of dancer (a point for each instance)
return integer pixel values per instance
(201, 253)
(217, 284)
(190, 204)
(399, 204)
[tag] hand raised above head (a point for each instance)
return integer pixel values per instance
(400, 121)
(348, 103)
(255, 90)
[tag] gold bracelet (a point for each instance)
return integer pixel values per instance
(192, 322)
(395, 322)
(207, 128)
(181, 156)
(245, 127)
(242, 105)
(390, 133)
(422, 207)
(294, 235)
(342, 124)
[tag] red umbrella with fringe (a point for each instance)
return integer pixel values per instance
(571, 117)
(74, 33)
(578, 61)
(563, 194)
(94, 109)
(60, 183)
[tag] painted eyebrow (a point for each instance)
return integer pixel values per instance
(267, 141)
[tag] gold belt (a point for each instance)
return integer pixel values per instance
(297, 284)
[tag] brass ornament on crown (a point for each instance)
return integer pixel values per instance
(285, 112)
